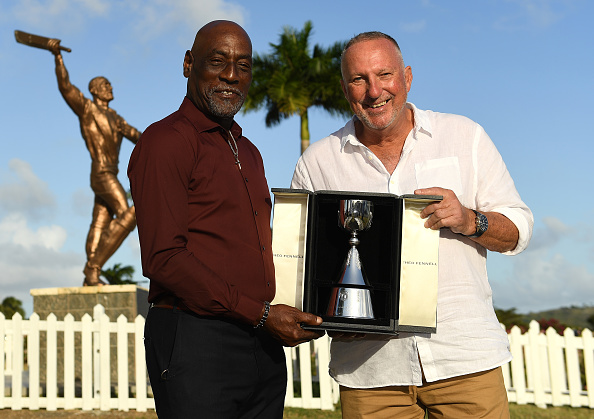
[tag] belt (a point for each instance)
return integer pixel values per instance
(170, 302)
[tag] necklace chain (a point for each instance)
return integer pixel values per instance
(235, 150)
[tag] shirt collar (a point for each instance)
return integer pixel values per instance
(422, 122)
(421, 125)
(203, 123)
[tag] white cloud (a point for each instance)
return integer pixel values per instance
(551, 273)
(14, 230)
(532, 14)
(553, 232)
(82, 202)
(22, 191)
(32, 259)
(134, 244)
(158, 16)
(414, 27)
(543, 281)
(25, 268)
(49, 14)
(152, 18)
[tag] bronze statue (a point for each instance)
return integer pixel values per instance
(103, 130)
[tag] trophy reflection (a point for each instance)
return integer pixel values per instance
(351, 296)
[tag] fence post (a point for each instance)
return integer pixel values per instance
(517, 365)
(305, 373)
(536, 364)
(322, 346)
(139, 359)
(588, 365)
(289, 395)
(104, 370)
(51, 382)
(33, 361)
(122, 356)
(573, 367)
(69, 357)
(556, 366)
(87, 365)
(17, 361)
(2, 356)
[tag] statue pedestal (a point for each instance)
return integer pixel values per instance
(129, 300)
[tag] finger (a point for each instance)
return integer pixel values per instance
(431, 221)
(308, 318)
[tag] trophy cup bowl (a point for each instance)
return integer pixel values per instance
(351, 296)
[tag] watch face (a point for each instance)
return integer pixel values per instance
(482, 223)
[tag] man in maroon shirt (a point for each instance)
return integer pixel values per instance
(213, 341)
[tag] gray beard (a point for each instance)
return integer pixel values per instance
(224, 109)
(366, 121)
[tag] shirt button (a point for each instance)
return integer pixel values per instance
(263, 247)
(246, 180)
(268, 283)
(256, 212)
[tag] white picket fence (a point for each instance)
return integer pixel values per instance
(547, 369)
(21, 386)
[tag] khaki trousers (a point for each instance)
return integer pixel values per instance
(480, 395)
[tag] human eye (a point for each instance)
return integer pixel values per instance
(216, 61)
(245, 65)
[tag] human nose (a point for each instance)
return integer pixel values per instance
(374, 88)
(230, 73)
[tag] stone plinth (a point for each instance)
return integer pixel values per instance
(129, 300)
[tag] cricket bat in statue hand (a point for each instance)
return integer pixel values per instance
(36, 41)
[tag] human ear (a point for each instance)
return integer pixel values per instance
(188, 61)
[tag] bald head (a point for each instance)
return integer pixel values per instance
(219, 70)
(218, 28)
(368, 36)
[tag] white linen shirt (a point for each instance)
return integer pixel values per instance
(442, 150)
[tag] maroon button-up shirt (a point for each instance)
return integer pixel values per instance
(203, 221)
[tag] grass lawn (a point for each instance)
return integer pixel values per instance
(528, 411)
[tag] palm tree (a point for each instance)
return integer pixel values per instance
(292, 79)
(10, 306)
(119, 275)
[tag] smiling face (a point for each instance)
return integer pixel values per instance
(219, 70)
(376, 83)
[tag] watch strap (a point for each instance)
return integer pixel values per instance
(482, 224)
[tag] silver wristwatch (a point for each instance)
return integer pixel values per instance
(482, 224)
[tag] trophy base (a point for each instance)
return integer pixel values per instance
(351, 303)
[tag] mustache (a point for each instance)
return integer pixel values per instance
(234, 90)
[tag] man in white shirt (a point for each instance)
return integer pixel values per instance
(391, 146)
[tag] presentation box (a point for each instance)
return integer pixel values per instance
(399, 257)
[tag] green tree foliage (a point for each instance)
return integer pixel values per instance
(591, 321)
(510, 318)
(293, 78)
(10, 306)
(119, 275)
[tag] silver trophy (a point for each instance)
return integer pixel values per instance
(351, 296)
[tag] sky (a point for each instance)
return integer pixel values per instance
(523, 69)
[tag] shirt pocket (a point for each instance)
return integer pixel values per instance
(442, 173)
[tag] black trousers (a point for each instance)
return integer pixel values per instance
(211, 368)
